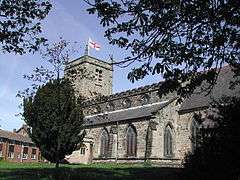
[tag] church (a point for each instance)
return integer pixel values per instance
(136, 125)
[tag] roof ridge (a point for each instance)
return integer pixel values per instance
(15, 136)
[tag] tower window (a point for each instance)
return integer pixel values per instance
(98, 77)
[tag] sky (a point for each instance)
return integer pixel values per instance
(70, 20)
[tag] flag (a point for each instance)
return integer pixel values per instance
(93, 44)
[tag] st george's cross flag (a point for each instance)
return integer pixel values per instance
(93, 44)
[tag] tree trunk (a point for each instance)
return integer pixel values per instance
(57, 164)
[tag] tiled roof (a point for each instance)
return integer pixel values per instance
(125, 114)
(14, 136)
(201, 99)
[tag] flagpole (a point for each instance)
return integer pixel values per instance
(88, 50)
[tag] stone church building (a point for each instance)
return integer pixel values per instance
(135, 125)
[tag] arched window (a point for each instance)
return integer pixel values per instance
(126, 103)
(168, 142)
(145, 99)
(131, 141)
(95, 109)
(104, 143)
(83, 148)
(110, 106)
(194, 131)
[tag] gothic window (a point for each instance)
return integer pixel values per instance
(194, 131)
(131, 142)
(96, 109)
(126, 103)
(168, 142)
(145, 99)
(98, 77)
(104, 143)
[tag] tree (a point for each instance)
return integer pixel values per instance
(55, 57)
(55, 119)
(186, 41)
(217, 151)
(20, 24)
(50, 106)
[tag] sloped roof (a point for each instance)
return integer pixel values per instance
(125, 114)
(200, 99)
(14, 136)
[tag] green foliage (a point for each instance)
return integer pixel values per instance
(20, 24)
(217, 152)
(56, 56)
(55, 118)
(174, 38)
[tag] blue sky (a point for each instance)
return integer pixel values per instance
(69, 20)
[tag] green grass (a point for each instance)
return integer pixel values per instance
(100, 171)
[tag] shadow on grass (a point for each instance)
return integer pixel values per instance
(94, 173)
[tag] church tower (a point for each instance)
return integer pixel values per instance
(91, 76)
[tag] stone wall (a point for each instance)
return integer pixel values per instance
(79, 156)
(150, 137)
(83, 72)
(120, 134)
(150, 130)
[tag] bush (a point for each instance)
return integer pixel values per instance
(217, 154)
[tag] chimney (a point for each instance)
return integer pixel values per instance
(14, 130)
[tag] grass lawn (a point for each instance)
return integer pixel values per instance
(99, 171)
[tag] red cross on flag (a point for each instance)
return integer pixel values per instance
(93, 44)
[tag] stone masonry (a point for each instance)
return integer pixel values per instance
(132, 126)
